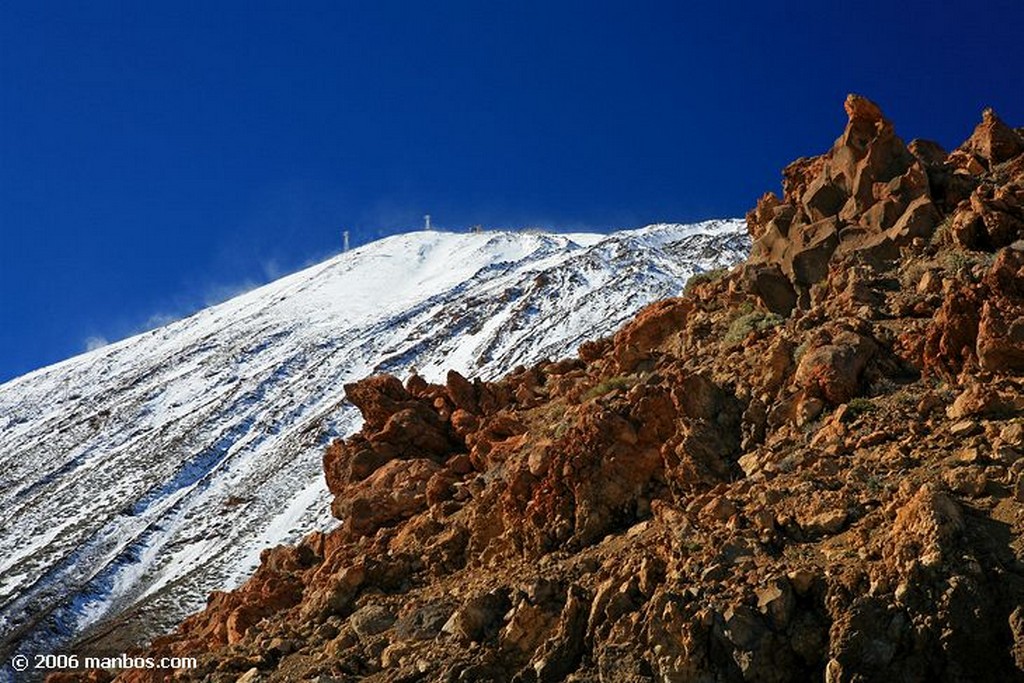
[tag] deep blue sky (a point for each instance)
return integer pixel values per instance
(157, 158)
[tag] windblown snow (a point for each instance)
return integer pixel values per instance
(138, 477)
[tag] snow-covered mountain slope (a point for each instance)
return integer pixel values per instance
(136, 478)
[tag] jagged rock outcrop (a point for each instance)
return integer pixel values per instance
(870, 196)
(810, 468)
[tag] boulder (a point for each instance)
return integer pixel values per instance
(370, 620)
(994, 141)
(929, 153)
(834, 370)
(415, 432)
(1000, 341)
(823, 198)
(771, 286)
(1000, 345)
(926, 527)
(952, 334)
(378, 398)
(394, 492)
(462, 392)
(478, 618)
(652, 326)
(883, 215)
(919, 220)
(759, 217)
(810, 251)
(983, 400)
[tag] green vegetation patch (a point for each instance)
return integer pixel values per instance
(621, 382)
(944, 232)
(750, 322)
(857, 407)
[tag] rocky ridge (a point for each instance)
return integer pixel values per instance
(810, 467)
(137, 478)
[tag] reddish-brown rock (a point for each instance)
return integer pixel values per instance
(1000, 343)
(994, 141)
(834, 370)
(637, 340)
(866, 184)
(378, 398)
(394, 492)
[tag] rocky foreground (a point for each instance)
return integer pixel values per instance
(808, 468)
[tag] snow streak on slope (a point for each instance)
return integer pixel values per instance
(142, 475)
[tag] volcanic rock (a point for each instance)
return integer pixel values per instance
(993, 140)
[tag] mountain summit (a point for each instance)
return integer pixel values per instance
(808, 468)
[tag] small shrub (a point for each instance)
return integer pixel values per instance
(702, 278)
(943, 233)
(957, 261)
(749, 322)
(913, 274)
(859, 406)
(800, 351)
(691, 546)
(554, 411)
(553, 414)
(619, 382)
(787, 464)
